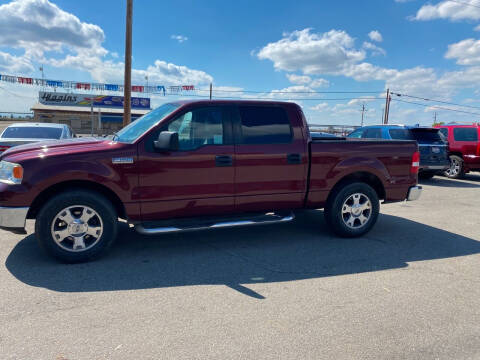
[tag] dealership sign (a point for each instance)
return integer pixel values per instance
(68, 99)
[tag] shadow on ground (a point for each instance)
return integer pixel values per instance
(302, 249)
(469, 181)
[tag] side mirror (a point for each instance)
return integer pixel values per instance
(167, 141)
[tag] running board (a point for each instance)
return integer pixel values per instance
(261, 220)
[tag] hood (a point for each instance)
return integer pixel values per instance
(56, 147)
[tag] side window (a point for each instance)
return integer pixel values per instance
(356, 134)
(444, 132)
(198, 127)
(373, 133)
(465, 134)
(264, 125)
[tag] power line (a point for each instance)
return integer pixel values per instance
(274, 99)
(438, 101)
(291, 92)
(435, 107)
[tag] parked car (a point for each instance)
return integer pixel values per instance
(26, 133)
(433, 149)
(464, 144)
(193, 165)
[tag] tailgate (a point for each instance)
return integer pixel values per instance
(433, 150)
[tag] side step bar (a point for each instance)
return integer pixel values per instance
(265, 219)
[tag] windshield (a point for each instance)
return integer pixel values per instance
(134, 130)
(31, 132)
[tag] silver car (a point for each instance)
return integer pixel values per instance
(27, 133)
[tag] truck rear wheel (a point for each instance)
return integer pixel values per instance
(352, 210)
(76, 226)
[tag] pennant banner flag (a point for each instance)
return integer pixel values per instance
(159, 89)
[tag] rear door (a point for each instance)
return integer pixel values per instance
(270, 158)
(372, 133)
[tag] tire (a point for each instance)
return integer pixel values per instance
(76, 226)
(425, 175)
(351, 223)
(456, 170)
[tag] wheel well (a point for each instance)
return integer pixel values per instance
(364, 177)
(53, 190)
(457, 154)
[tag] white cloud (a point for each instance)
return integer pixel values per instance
(299, 79)
(376, 50)
(326, 53)
(319, 83)
(466, 52)
(451, 10)
(41, 29)
(15, 64)
(307, 80)
(375, 35)
(39, 25)
(320, 107)
(179, 38)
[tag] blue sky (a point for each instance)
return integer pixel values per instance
(430, 50)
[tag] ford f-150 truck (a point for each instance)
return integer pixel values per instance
(199, 165)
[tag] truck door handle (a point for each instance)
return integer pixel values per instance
(294, 158)
(223, 160)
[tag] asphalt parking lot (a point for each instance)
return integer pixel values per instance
(407, 290)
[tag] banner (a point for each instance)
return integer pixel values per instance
(67, 99)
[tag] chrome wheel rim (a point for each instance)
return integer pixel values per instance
(77, 228)
(454, 168)
(356, 210)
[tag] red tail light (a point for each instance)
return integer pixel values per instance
(415, 163)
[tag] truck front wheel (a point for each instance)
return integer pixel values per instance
(76, 226)
(352, 209)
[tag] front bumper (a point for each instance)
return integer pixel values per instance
(13, 218)
(414, 193)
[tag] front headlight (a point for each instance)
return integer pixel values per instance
(11, 173)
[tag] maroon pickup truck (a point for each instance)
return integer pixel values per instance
(199, 165)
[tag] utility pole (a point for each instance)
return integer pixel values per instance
(434, 118)
(43, 78)
(364, 110)
(146, 87)
(127, 88)
(210, 91)
(387, 107)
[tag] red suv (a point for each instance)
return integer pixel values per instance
(464, 144)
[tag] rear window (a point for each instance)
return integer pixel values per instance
(401, 134)
(27, 132)
(265, 125)
(425, 136)
(465, 134)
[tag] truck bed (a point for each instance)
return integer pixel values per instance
(333, 159)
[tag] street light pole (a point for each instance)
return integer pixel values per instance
(127, 88)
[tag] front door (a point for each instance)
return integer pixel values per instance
(198, 179)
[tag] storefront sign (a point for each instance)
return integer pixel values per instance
(67, 99)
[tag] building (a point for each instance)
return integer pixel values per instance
(76, 110)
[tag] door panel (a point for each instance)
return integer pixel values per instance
(191, 181)
(269, 175)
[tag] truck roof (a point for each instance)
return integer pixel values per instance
(33, 124)
(233, 101)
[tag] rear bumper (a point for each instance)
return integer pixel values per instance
(13, 218)
(435, 167)
(414, 193)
